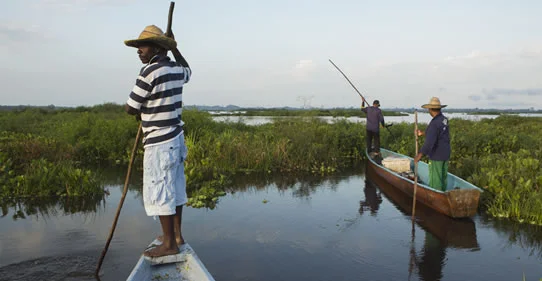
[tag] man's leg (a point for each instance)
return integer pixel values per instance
(444, 175)
(169, 245)
(437, 178)
(178, 219)
(369, 140)
(180, 192)
(160, 164)
(179, 181)
(377, 142)
(177, 228)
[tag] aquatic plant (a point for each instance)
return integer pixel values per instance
(70, 142)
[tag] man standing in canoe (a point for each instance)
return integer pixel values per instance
(157, 100)
(374, 117)
(436, 145)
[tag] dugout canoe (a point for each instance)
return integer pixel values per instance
(452, 233)
(460, 200)
(190, 268)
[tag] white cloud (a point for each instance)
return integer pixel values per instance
(77, 5)
(303, 69)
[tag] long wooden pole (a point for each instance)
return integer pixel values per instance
(415, 166)
(170, 18)
(362, 98)
(126, 181)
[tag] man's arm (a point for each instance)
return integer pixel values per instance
(130, 110)
(179, 58)
(431, 136)
(177, 54)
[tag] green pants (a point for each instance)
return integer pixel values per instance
(438, 174)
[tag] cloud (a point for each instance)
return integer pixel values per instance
(475, 97)
(513, 92)
(85, 2)
(303, 69)
(78, 5)
(12, 33)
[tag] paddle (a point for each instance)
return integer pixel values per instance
(132, 157)
(362, 98)
(415, 165)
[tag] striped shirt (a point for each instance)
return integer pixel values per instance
(157, 95)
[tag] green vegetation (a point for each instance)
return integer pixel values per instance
(338, 112)
(55, 152)
(50, 152)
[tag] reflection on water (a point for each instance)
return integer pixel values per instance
(343, 227)
(440, 232)
(298, 185)
(47, 207)
(373, 199)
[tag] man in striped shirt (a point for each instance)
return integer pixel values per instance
(157, 100)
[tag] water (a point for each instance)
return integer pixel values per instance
(422, 118)
(346, 227)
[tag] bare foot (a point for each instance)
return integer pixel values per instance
(180, 240)
(160, 251)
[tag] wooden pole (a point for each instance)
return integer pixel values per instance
(415, 166)
(126, 181)
(362, 98)
(412, 255)
(170, 18)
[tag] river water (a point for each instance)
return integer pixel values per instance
(422, 118)
(349, 226)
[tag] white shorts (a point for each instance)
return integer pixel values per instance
(164, 182)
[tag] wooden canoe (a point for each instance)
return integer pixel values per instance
(460, 199)
(190, 268)
(453, 233)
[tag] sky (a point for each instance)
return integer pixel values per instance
(485, 54)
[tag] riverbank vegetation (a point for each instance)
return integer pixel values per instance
(56, 152)
(336, 112)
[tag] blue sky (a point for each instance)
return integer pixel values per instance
(485, 54)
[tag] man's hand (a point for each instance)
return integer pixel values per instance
(418, 157)
(420, 133)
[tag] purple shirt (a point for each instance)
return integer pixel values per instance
(437, 139)
(374, 116)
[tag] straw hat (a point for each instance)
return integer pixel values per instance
(434, 103)
(152, 34)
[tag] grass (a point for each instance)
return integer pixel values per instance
(54, 152)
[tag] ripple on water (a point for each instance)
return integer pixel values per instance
(66, 268)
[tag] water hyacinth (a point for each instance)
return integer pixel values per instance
(53, 152)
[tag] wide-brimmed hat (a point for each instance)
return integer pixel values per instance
(152, 34)
(434, 103)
